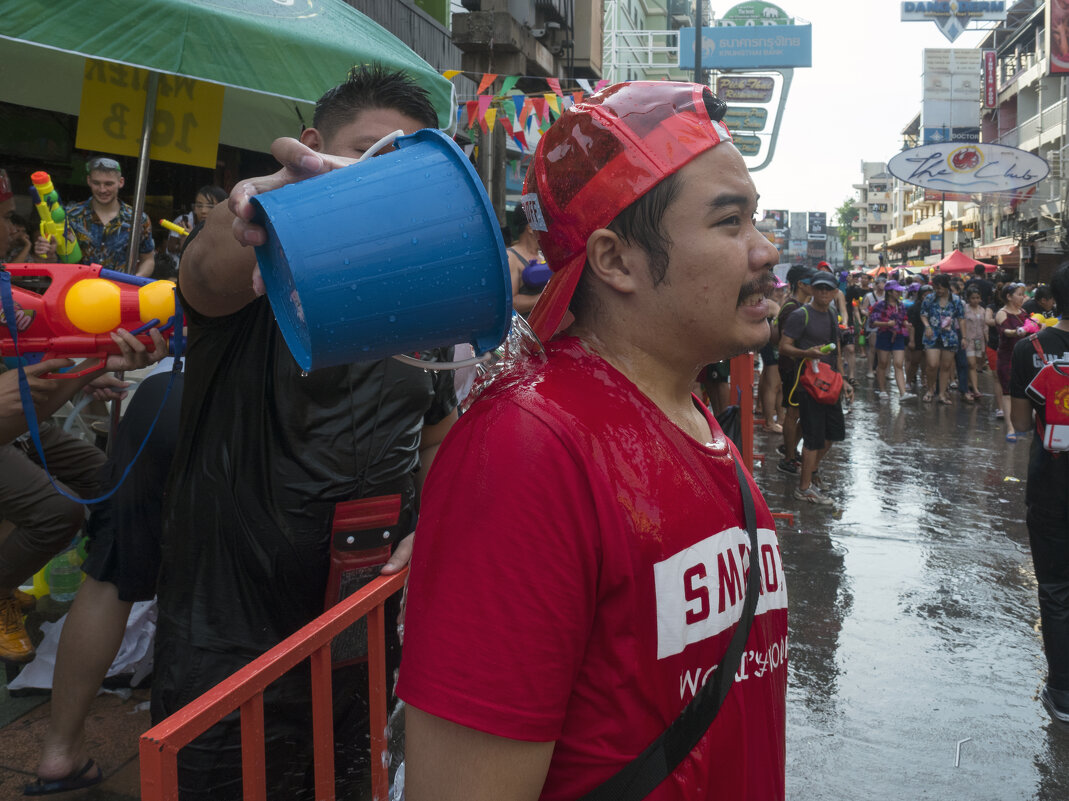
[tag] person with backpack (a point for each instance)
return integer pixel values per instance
(812, 335)
(1039, 384)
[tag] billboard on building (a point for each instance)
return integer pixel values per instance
(818, 221)
(799, 225)
(951, 95)
(749, 47)
(991, 78)
(952, 18)
(1058, 36)
(780, 217)
(755, 13)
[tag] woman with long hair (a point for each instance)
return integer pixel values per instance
(974, 337)
(1009, 321)
(888, 319)
(941, 315)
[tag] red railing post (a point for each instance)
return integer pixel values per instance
(376, 675)
(159, 746)
(323, 723)
(253, 767)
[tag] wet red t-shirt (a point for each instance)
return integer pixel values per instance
(580, 568)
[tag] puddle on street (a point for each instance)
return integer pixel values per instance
(913, 614)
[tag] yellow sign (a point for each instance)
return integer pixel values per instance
(185, 129)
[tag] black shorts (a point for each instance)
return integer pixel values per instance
(788, 376)
(124, 531)
(769, 356)
(846, 337)
(821, 422)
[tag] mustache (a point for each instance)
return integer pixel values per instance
(763, 285)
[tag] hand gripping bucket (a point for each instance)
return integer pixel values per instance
(398, 253)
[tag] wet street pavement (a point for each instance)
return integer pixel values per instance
(914, 624)
(913, 614)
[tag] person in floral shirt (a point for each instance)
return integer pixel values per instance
(941, 315)
(888, 318)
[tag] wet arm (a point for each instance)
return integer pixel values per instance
(1021, 413)
(445, 761)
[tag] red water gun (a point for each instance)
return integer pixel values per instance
(80, 307)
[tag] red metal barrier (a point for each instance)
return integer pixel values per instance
(159, 746)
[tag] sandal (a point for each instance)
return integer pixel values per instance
(1011, 438)
(928, 397)
(945, 401)
(89, 775)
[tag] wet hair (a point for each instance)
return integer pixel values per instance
(1008, 290)
(517, 222)
(212, 192)
(1059, 288)
(972, 291)
(372, 86)
(979, 270)
(639, 224)
(1043, 293)
(941, 280)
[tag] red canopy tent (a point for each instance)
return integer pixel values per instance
(958, 262)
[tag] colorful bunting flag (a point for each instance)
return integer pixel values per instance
(519, 102)
(472, 107)
(554, 84)
(583, 82)
(488, 79)
(507, 84)
(539, 106)
(601, 84)
(450, 74)
(551, 99)
(491, 116)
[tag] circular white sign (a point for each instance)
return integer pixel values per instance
(968, 167)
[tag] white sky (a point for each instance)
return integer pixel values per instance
(863, 88)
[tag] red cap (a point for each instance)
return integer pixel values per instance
(601, 156)
(5, 187)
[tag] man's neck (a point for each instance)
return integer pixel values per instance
(663, 379)
(106, 211)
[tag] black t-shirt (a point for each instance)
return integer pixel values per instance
(809, 328)
(1048, 473)
(986, 288)
(854, 295)
(786, 364)
(265, 453)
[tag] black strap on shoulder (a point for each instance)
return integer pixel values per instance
(640, 777)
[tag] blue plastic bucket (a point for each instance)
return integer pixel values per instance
(400, 253)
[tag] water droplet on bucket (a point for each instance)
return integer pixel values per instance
(392, 318)
(345, 261)
(415, 241)
(465, 234)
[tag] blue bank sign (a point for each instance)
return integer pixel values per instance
(757, 47)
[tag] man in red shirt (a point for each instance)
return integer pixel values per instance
(546, 648)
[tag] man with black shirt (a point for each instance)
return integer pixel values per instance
(798, 280)
(1047, 492)
(854, 294)
(1042, 302)
(808, 329)
(985, 287)
(266, 454)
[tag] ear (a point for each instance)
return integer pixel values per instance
(614, 262)
(311, 137)
(122, 182)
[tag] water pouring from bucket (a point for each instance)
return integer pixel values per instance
(395, 255)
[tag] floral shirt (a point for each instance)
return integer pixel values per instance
(883, 312)
(108, 245)
(941, 319)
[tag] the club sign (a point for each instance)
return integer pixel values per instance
(968, 167)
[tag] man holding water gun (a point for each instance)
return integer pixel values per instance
(45, 521)
(104, 224)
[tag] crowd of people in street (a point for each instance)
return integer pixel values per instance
(634, 257)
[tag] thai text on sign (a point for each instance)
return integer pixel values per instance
(185, 127)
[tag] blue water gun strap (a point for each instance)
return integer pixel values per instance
(7, 302)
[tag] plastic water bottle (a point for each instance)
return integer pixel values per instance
(64, 574)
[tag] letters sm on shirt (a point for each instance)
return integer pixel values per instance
(701, 590)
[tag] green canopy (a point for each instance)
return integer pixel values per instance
(286, 55)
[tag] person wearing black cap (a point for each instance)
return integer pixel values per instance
(798, 278)
(812, 332)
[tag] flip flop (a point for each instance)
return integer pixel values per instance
(1011, 438)
(928, 397)
(75, 780)
(945, 401)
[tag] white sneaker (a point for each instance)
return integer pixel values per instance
(907, 397)
(813, 495)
